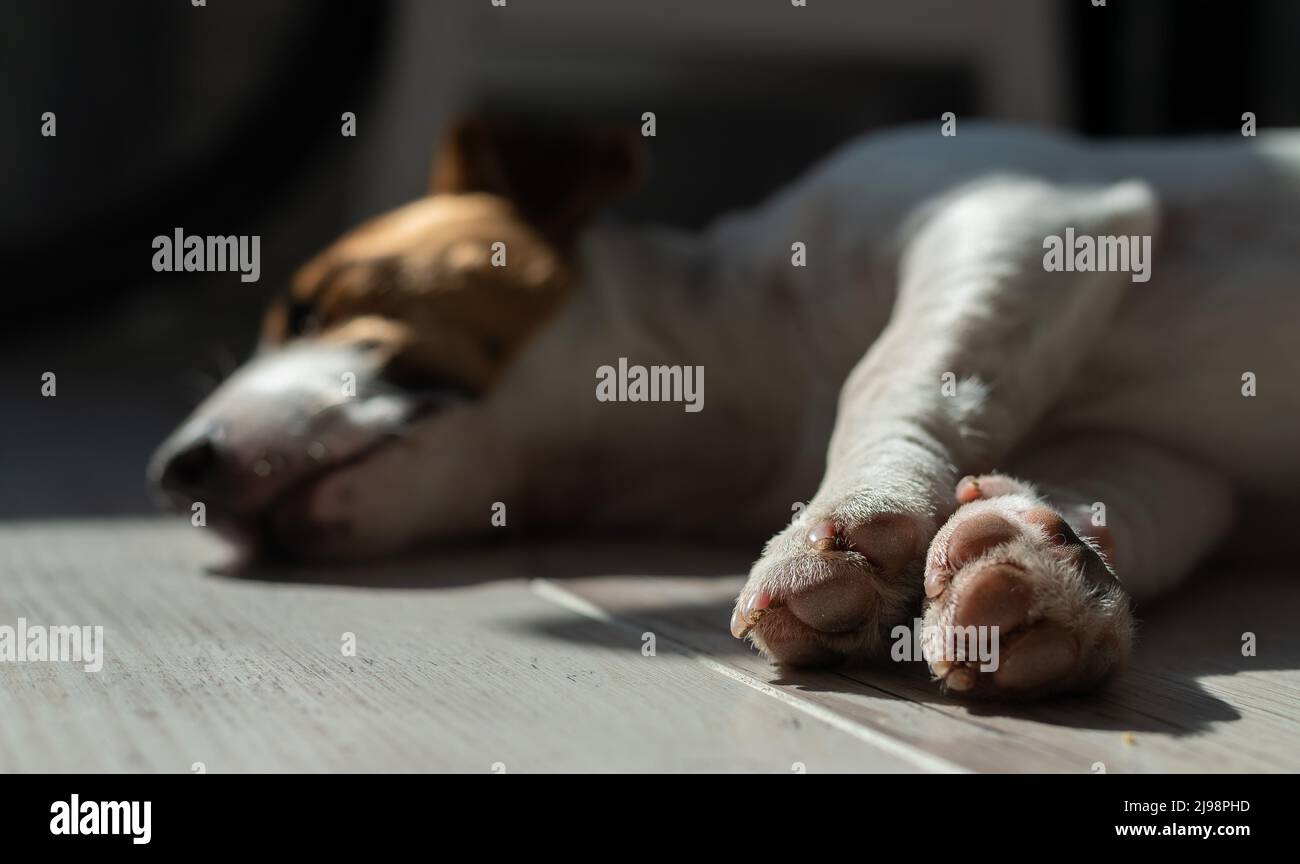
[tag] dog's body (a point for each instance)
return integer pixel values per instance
(924, 339)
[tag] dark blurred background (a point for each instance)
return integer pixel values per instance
(225, 119)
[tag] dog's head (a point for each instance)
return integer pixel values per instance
(422, 306)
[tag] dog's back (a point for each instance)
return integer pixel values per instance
(1181, 354)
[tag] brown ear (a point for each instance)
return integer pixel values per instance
(559, 179)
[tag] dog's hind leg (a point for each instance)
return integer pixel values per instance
(1052, 559)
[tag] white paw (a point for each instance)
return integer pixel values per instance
(829, 586)
(1008, 560)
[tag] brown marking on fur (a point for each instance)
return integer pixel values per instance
(558, 178)
(428, 268)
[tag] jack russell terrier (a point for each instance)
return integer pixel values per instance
(1044, 368)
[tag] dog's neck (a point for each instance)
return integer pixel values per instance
(696, 297)
(659, 296)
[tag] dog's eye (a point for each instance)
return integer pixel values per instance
(301, 318)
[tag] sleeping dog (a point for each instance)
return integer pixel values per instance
(1044, 369)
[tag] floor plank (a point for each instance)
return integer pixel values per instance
(1190, 702)
(532, 656)
(248, 674)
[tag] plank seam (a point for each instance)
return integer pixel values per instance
(550, 591)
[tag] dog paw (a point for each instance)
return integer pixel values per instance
(1007, 560)
(828, 586)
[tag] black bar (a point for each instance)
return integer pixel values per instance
(215, 813)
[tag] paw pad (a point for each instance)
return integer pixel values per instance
(1007, 561)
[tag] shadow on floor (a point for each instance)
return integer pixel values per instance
(1196, 633)
(473, 563)
(683, 593)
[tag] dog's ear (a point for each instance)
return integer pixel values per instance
(557, 178)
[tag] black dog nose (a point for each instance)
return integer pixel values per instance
(191, 469)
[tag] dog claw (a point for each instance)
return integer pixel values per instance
(968, 489)
(960, 679)
(824, 536)
(747, 613)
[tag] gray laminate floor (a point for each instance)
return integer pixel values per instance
(563, 658)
